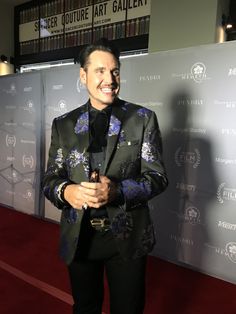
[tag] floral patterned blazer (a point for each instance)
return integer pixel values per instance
(133, 159)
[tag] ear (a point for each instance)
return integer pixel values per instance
(83, 75)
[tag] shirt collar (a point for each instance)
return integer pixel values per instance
(93, 112)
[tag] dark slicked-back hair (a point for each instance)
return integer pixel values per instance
(103, 44)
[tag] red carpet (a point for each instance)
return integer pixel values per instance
(34, 280)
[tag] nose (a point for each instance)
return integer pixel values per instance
(109, 77)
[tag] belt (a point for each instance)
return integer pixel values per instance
(101, 224)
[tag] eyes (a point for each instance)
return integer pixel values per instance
(116, 72)
(102, 71)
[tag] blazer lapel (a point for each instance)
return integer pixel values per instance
(117, 116)
(82, 131)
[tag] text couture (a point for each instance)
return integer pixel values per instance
(83, 14)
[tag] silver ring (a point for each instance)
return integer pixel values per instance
(85, 206)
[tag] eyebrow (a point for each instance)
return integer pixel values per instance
(104, 68)
(100, 68)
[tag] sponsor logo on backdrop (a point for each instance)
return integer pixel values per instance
(28, 161)
(192, 158)
(229, 251)
(225, 194)
(10, 158)
(226, 161)
(232, 72)
(28, 89)
(28, 195)
(227, 225)
(10, 123)
(10, 140)
(230, 132)
(80, 86)
(61, 106)
(14, 177)
(192, 102)
(23, 141)
(57, 87)
(197, 73)
(189, 130)
(11, 90)
(28, 180)
(28, 124)
(185, 187)
(228, 104)
(149, 78)
(10, 192)
(29, 106)
(192, 215)
(10, 107)
(181, 240)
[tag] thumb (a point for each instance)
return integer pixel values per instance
(104, 179)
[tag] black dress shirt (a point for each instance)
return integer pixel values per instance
(98, 127)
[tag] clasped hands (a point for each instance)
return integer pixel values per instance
(92, 194)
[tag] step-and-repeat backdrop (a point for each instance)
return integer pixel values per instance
(193, 94)
(20, 141)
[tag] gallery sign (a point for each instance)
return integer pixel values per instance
(107, 12)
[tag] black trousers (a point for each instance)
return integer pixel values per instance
(126, 278)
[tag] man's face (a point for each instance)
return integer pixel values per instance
(102, 78)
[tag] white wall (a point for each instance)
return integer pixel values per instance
(6, 29)
(6, 68)
(223, 8)
(174, 24)
(184, 23)
(7, 26)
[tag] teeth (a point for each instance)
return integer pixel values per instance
(106, 90)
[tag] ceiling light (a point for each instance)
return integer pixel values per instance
(3, 58)
(227, 21)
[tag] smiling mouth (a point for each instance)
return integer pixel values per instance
(108, 90)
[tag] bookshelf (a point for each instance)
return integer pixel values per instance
(58, 29)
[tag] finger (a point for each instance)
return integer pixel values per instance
(104, 179)
(97, 205)
(89, 185)
(96, 200)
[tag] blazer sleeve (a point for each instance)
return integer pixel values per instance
(56, 175)
(152, 179)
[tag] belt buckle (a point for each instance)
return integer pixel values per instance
(100, 224)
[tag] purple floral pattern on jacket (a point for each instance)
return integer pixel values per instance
(82, 124)
(71, 215)
(59, 158)
(148, 152)
(136, 189)
(122, 137)
(114, 127)
(143, 112)
(121, 226)
(75, 158)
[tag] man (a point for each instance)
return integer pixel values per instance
(105, 224)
